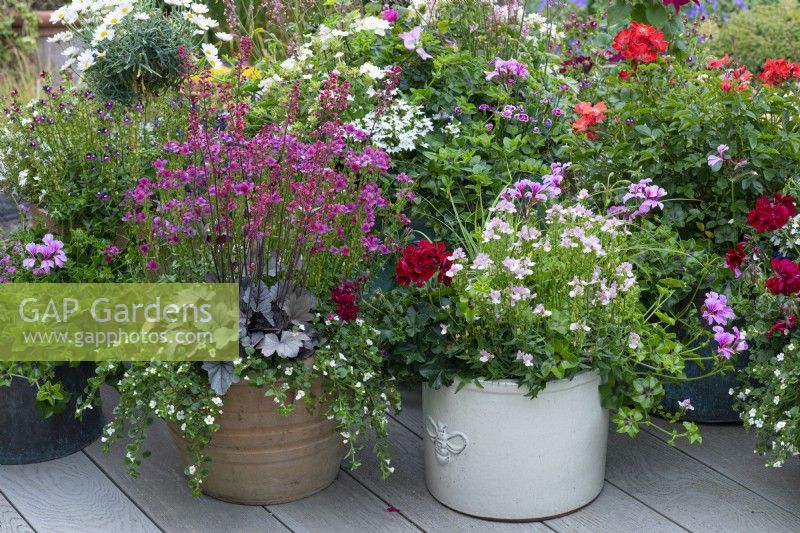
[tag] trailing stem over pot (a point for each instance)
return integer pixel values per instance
(297, 213)
(547, 288)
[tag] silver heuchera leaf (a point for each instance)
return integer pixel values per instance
(259, 299)
(220, 376)
(298, 306)
(287, 347)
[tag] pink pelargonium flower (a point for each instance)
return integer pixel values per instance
(729, 343)
(716, 309)
(649, 194)
(715, 161)
(508, 71)
(46, 256)
(412, 40)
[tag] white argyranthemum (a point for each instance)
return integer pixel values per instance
(85, 60)
(222, 36)
(61, 37)
(374, 24)
(372, 71)
(210, 51)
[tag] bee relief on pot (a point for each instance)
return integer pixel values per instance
(445, 445)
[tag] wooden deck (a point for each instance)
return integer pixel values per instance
(650, 487)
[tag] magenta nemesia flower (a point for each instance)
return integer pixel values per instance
(716, 309)
(389, 15)
(152, 265)
(729, 342)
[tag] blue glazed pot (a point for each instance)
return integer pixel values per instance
(28, 437)
(710, 398)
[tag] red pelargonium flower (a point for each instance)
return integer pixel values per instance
(344, 296)
(735, 258)
(741, 76)
(777, 71)
(786, 280)
(640, 42)
(421, 261)
(783, 326)
(589, 115)
(773, 213)
(624, 74)
(677, 4)
(714, 64)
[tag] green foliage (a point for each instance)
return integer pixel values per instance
(765, 31)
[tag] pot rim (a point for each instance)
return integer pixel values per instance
(510, 386)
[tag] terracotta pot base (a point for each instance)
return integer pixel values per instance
(260, 457)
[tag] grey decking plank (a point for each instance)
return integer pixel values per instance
(612, 512)
(71, 494)
(161, 490)
(406, 491)
(688, 492)
(344, 507)
(10, 520)
(728, 449)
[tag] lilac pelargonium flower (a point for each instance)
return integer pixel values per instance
(716, 309)
(46, 256)
(509, 70)
(729, 343)
(412, 40)
(649, 194)
(715, 161)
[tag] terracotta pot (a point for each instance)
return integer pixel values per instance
(260, 457)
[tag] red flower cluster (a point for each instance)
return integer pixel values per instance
(786, 280)
(640, 42)
(777, 71)
(735, 258)
(773, 213)
(741, 76)
(344, 296)
(783, 326)
(421, 261)
(714, 64)
(589, 115)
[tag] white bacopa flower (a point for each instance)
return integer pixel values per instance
(152, 404)
(217, 401)
(399, 128)
(299, 395)
(192, 469)
(780, 425)
(209, 420)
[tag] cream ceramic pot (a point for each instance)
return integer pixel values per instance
(495, 453)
